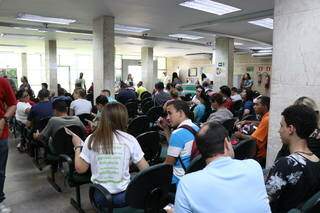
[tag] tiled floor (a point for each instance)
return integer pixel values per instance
(27, 189)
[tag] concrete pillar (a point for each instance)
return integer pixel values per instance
(24, 64)
(51, 64)
(295, 63)
(149, 75)
(224, 62)
(103, 54)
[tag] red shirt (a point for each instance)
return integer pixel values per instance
(228, 104)
(7, 99)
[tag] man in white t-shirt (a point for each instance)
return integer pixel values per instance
(23, 107)
(80, 105)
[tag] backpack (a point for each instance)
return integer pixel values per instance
(194, 151)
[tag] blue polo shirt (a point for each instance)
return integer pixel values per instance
(180, 144)
(225, 185)
(40, 110)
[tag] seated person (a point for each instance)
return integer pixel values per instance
(260, 135)
(227, 101)
(294, 178)
(60, 119)
(140, 89)
(62, 96)
(247, 96)
(22, 111)
(43, 109)
(201, 110)
(109, 145)
(160, 97)
(223, 178)
(235, 96)
(180, 140)
(222, 113)
(107, 93)
(80, 105)
(125, 94)
(195, 100)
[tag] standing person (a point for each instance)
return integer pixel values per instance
(25, 86)
(109, 145)
(223, 178)
(81, 82)
(129, 80)
(175, 79)
(7, 109)
(246, 81)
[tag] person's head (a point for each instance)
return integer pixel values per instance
(234, 91)
(123, 85)
(101, 101)
(174, 94)
(298, 122)
(225, 91)
(205, 84)
(61, 92)
(114, 117)
(174, 75)
(105, 92)
(43, 94)
(159, 86)
(308, 102)
(179, 88)
(246, 76)
(199, 89)
(140, 83)
(177, 111)
(247, 94)
(44, 86)
(130, 83)
(212, 140)
(79, 93)
(58, 86)
(216, 101)
(262, 105)
(202, 96)
(169, 86)
(81, 75)
(203, 76)
(23, 96)
(60, 108)
(165, 74)
(24, 79)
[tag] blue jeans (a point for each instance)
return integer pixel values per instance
(118, 200)
(3, 163)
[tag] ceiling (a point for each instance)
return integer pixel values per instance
(163, 17)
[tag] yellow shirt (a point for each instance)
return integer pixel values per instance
(140, 90)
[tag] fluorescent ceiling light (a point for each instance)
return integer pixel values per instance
(261, 48)
(186, 36)
(265, 51)
(266, 22)
(20, 36)
(83, 39)
(12, 45)
(210, 6)
(238, 43)
(132, 29)
(44, 19)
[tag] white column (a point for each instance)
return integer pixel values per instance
(224, 61)
(24, 65)
(295, 64)
(51, 64)
(149, 75)
(103, 54)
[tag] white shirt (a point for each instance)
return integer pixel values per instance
(112, 171)
(21, 114)
(236, 97)
(81, 106)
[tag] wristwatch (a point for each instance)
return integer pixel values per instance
(77, 147)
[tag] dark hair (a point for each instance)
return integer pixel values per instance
(25, 78)
(44, 93)
(123, 85)
(180, 105)
(60, 106)
(174, 75)
(217, 97)
(303, 118)
(101, 99)
(159, 86)
(225, 90)
(19, 94)
(81, 92)
(205, 84)
(45, 85)
(106, 90)
(140, 83)
(234, 89)
(265, 100)
(203, 76)
(249, 77)
(211, 141)
(249, 94)
(169, 86)
(61, 92)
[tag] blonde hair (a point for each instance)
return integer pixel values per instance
(114, 117)
(306, 101)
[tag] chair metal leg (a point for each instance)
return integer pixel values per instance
(51, 179)
(77, 203)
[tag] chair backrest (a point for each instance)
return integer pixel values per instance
(249, 117)
(237, 105)
(132, 108)
(150, 145)
(312, 205)
(149, 189)
(139, 125)
(85, 116)
(196, 164)
(229, 125)
(146, 106)
(62, 142)
(41, 124)
(146, 100)
(155, 112)
(245, 149)
(144, 95)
